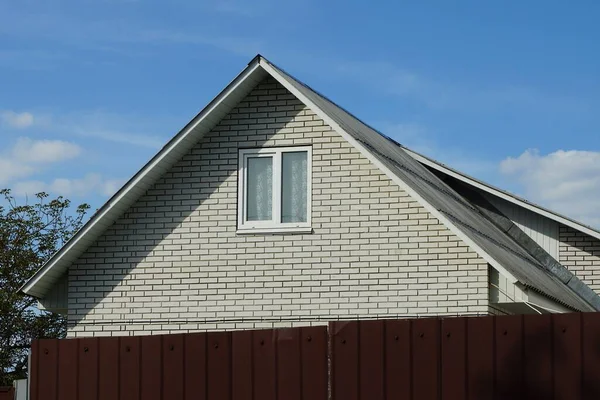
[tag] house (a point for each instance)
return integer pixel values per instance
(276, 207)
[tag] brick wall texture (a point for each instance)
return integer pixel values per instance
(580, 253)
(174, 263)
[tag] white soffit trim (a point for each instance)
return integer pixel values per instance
(45, 277)
(364, 151)
(503, 194)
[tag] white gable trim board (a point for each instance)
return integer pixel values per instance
(43, 281)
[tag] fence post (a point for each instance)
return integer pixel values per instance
(21, 389)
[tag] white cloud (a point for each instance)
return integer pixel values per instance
(80, 187)
(564, 181)
(16, 120)
(12, 169)
(127, 129)
(44, 151)
(135, 130)
(27, 155)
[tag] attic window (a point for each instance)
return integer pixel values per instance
(274, 189)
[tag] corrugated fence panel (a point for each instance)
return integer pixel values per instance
(173, 368)
(425, 360)
(510, 357)
(537, 366)
(219, 366)
(34, 370)
(314, 363)
(195, 366)
(263, 346)
(454, 358)
(48, 369)
(129, 363)
(591, 356)
(107, 352)
(372, 360)
(344, 362)
(241, 385)
(289, 367)
(67, 369)
(567, 356)
(151, 367)
(398, 371)
(87, 358)
(480, 358)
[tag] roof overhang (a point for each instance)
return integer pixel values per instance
(43, 280)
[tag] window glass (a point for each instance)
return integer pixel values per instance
(260, 189)
(294, 186)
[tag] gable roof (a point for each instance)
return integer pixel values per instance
(460, 216)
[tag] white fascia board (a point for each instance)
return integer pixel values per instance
(504, 195)
(364, 151)
(112, 205)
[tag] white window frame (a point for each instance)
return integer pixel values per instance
(275, 225)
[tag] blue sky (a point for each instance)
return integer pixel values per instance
(506, 91)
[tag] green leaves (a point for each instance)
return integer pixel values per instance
(29, 235)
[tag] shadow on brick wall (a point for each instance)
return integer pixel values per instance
(165, 231)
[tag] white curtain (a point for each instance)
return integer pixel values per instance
(294, 187)
(260, 189)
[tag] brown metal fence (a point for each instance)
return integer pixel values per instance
(511, 357)
(7, 393)
(265, 364)
(514, 357)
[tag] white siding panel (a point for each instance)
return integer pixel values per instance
(504, 291)
(542, 230)
(56, 298)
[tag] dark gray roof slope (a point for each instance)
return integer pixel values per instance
(464, 215)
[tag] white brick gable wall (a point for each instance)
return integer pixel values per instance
(174, 262)
(580, 253)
